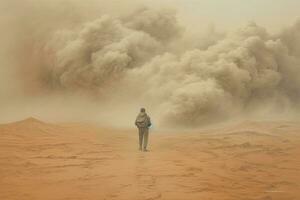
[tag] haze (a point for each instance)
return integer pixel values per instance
(229, 14)
(191, 63)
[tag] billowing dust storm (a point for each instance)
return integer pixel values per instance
(97, 61)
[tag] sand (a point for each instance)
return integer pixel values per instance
(245, 161)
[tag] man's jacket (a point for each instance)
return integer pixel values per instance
(143, 120)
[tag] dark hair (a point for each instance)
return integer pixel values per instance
(143, 110)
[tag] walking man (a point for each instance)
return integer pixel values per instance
(143, 123)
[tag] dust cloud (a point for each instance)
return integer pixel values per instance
(99, 61)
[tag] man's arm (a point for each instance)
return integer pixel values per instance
(149, 122)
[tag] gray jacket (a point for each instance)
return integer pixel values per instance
(143, 120)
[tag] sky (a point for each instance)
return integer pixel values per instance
(231, 14)
(89, 59)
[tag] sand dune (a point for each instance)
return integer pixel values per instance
(246, 161)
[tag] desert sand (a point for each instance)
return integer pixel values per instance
(245, 161)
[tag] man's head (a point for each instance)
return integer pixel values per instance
(143, 110)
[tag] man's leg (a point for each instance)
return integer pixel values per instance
(146, 134)
(140, 137)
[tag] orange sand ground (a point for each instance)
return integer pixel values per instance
(248, 161)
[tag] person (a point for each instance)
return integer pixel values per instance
(143, 123)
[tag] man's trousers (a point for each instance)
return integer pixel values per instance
(143, 137)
